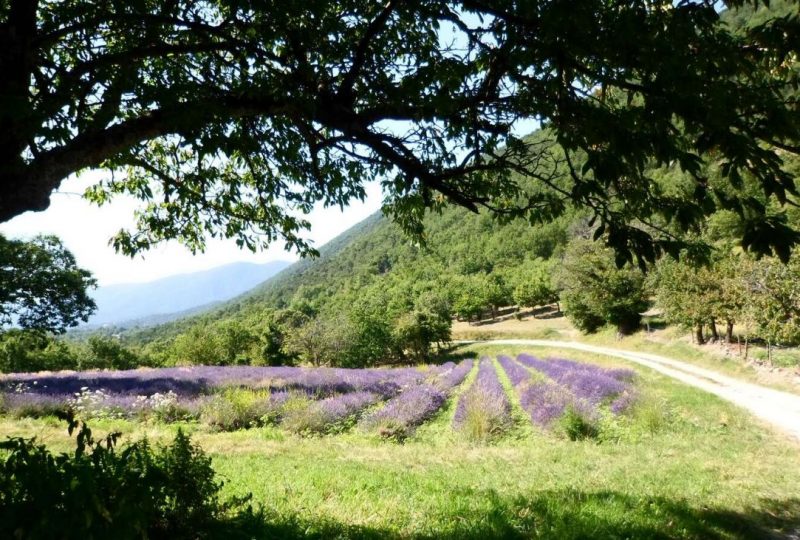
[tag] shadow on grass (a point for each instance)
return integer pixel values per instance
(454, 353)
(563, 514)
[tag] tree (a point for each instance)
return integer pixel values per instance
(497, 294)
(775, 300)
(596, 292)
(108, 353)
(199, 346)
(41, 286)
(534, 284)
(227, 117)
(471, 299)
(414, 332)
(688, 295)
(22, 350)
(319, 341)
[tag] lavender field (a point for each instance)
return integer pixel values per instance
(390, 402)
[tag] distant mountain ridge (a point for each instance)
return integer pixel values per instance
(164, 299)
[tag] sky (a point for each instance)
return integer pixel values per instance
(85, 230)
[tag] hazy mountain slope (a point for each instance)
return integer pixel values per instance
(131, 301)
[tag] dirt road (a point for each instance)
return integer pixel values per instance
(781, 409)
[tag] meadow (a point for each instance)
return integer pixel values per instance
(500, 442)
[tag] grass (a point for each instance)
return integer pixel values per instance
(685, 465)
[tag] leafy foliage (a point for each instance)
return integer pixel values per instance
(595, 292)
(41, 286)
(103, 491)
(233, 119)
(22, 350)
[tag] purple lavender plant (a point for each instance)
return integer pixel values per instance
(623, 402)
(514, 370)
(483, 410)
(574, 387)
(545, 401)
(587, 382)
(453, 377)
(402, 414)
(39, 394)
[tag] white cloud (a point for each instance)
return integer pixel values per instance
(85, 229)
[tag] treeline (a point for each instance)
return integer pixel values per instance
(403, 314)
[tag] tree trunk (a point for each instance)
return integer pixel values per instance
(698, 334)
(746, 347)
(713, 328)
(729, 330)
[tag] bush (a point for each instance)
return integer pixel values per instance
(579, 425)
(100, 491)
(238, 408)
(163, 408)
(30, 350)
(108, 353)
(301, 415)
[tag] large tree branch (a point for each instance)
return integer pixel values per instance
(29, 188)
(360, 55)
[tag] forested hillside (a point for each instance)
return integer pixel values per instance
(373, 294)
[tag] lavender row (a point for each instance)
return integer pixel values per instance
(404, 413)
(546, 401)
(577, 386)
(454, 376)
(320, 416)
(198, 380)
(589, 383)
(620, 374)
(483, 410)
(514, 370)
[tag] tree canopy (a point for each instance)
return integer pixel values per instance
(41, 286)
(233, 118)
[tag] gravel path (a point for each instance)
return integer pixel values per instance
(781, 409)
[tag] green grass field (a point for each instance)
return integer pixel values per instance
(684, 465)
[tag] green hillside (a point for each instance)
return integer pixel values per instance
(367, 286)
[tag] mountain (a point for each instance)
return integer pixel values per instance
(155, 302)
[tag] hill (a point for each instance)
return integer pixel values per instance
(372, 291)
(155, 302)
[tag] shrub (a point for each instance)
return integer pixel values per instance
(300, 415)
(92, 404)
(100, 491)
(579, 424)
(238, 408)
(163, 407)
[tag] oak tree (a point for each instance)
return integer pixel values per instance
(233, 118)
